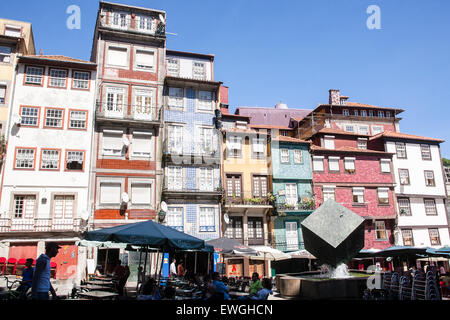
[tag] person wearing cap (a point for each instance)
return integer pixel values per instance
(41, 284)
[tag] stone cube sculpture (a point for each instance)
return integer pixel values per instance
(333, 233)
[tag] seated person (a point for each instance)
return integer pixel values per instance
(220, 287)
(149, 291)
(264, 293)
(169, 293)
(256, 284)
(27, 277)
(98, 271)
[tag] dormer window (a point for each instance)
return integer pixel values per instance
(13, 31)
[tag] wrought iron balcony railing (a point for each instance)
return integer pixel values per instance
(246, 198)
(143, 25)
(39, 225)
(295, 206)
(187, 147)
(288, 246)
(119, 111)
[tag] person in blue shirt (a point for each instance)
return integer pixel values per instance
(220, 287)
(27, 278)
(41, 279)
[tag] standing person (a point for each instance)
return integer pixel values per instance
(256, 284)
(27, 278)
(181, 271)
(173, 268)
(41, 284)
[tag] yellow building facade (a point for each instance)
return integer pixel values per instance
(247, 182)
(16, 38)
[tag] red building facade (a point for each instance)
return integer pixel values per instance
(345, 170)
(129, 48)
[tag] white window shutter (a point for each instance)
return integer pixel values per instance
(117, 56)
(141, 193)
(110, 193)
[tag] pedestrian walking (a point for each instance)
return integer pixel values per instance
(41, 284)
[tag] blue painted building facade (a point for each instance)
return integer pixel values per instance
(191, 155)
(292, 189)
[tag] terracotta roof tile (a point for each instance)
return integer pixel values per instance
(390, 134)
(290, 139)
(363, 105)
(57, 57)
(269, 126)
(240, 130)
(339, 131)
(348, 149)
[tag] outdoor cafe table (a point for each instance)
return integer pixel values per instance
(106, 279)
(98, 295)
(101, 283)
(237, 294)
(181, 292)
(93, 287)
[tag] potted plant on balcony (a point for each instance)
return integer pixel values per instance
(350, 171)
(271, 198)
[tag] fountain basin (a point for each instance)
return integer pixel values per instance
(309, 285)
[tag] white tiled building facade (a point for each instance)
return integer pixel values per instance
(44, 195)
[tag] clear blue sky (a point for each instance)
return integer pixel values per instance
(293, 51)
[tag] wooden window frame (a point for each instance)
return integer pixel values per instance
(25, 83)
(49, 78)
(15, 158)
(434, 205)
(38, 116)
(73, 80)
(426, 181)
(412, 237)
(42, 155)
(45, 126)
(65, 160)
(396, 150)
(400, 178)
(438, 236)
(86, 120)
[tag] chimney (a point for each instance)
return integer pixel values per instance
(40, 52)
(334, 96)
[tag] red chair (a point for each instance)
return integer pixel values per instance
(10, 268)
(2, 264)
(53, 270)
(20, 266)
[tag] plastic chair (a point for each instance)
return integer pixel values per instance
(2, 264)
(53, 269)
(20, 266)
(10, 268)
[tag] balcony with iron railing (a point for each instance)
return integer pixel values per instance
(189, 148)
(292, 206)
(285, 246)
(247, 199)
(183, 189)
(40, 225)
(146, 26)
(116, 112)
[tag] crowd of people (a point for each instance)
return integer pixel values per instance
(212, 288)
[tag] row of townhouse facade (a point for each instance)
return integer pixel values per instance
(100, 143)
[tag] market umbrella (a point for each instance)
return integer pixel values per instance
(368, 253)
(443, 252)
(147, 233)
(271, 253)
(230, 247)
(301, 254)
(396, 251)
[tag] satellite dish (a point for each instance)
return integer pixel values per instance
(125, 141)
(125, 197)
(164, 206)
(226, 218)
(162, 19)
(17, 119)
